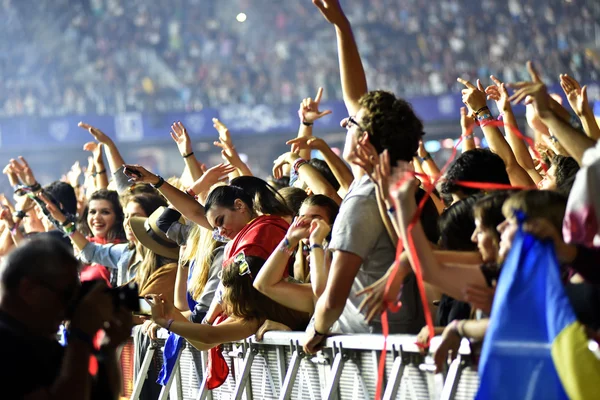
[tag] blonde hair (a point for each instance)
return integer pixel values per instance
(200, 247)
(545, 204)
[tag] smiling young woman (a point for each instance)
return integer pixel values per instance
(104, 217)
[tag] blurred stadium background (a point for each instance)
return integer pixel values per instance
(133, 67)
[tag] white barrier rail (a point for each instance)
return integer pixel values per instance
(346, 369)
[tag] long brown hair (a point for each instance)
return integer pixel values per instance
(242, 300)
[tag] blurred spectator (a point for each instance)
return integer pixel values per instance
(183, 55)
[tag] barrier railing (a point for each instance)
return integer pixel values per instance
(346, 369)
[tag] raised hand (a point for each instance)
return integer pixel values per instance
(319, 230)
(473, 96)
(331, 10)
(309, 109)
(100, 136)
(576, 94)
(534, 93)
(6, 217)
(74, 174)
(139, 174)
(224, 136)
(306, 142)
(211, 177)
(23, 171)
(11, 174)
(96, 149)
(181, 137)
(52, 208)
(285, 158)
(300, 229)
(365, 156)
(499, 94)
(228, 151)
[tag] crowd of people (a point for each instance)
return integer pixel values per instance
(109, 56)
(221, 255)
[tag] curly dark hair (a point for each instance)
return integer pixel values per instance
(391, 124)
(565, 170)
(477, 165)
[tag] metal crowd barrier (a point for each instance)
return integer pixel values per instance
(346, 369)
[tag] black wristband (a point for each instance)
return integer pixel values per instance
(187, 155)
(19, 214)
(160, 182)
(305, 123)
(35, 187)
(317, 332)
(101, 172)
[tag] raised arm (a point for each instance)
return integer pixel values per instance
(184, 145)
(467, 123)
(99, 173)
(229, 152)
(269, 281)
(309, 174)
(183, 202)
(308, 114)
(352, 73)
(475, 99)
(115, 160)
(574, 142)
(578, 100)
(452, 280)
(499, 94)
(340, 169)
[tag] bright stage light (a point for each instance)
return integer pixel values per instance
(241, 17)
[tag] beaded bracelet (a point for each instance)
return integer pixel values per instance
(298, 163)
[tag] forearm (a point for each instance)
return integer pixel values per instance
(574, 142)
(517, 175)
(305, 131)
(518, 146)
(101, 176)
(6, 242)
(273, 270)
(430, 168)
(79, 240)
(339, 168)
(193, 167)
(318, 271)
(387, 222)
(185, 204)
(180, 295)
(468, 142)
(475, 329)
(327, 312)
(590, 126)
(352, 73)
(115, 161)
(317, 182)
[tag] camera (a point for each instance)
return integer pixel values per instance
(126, 296)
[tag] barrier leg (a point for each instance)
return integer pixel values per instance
(204, 393)
(394, 380)
(452, 379)
(331, 392)
(141, 378)
(244, 379)
(164, 393)
(290, 377)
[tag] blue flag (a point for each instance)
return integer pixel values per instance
(173, 346)
(533, 335)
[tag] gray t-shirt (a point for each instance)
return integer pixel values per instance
(358, 229)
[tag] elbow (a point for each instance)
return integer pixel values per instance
(260, 286)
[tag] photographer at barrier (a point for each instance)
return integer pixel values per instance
(39, 289)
